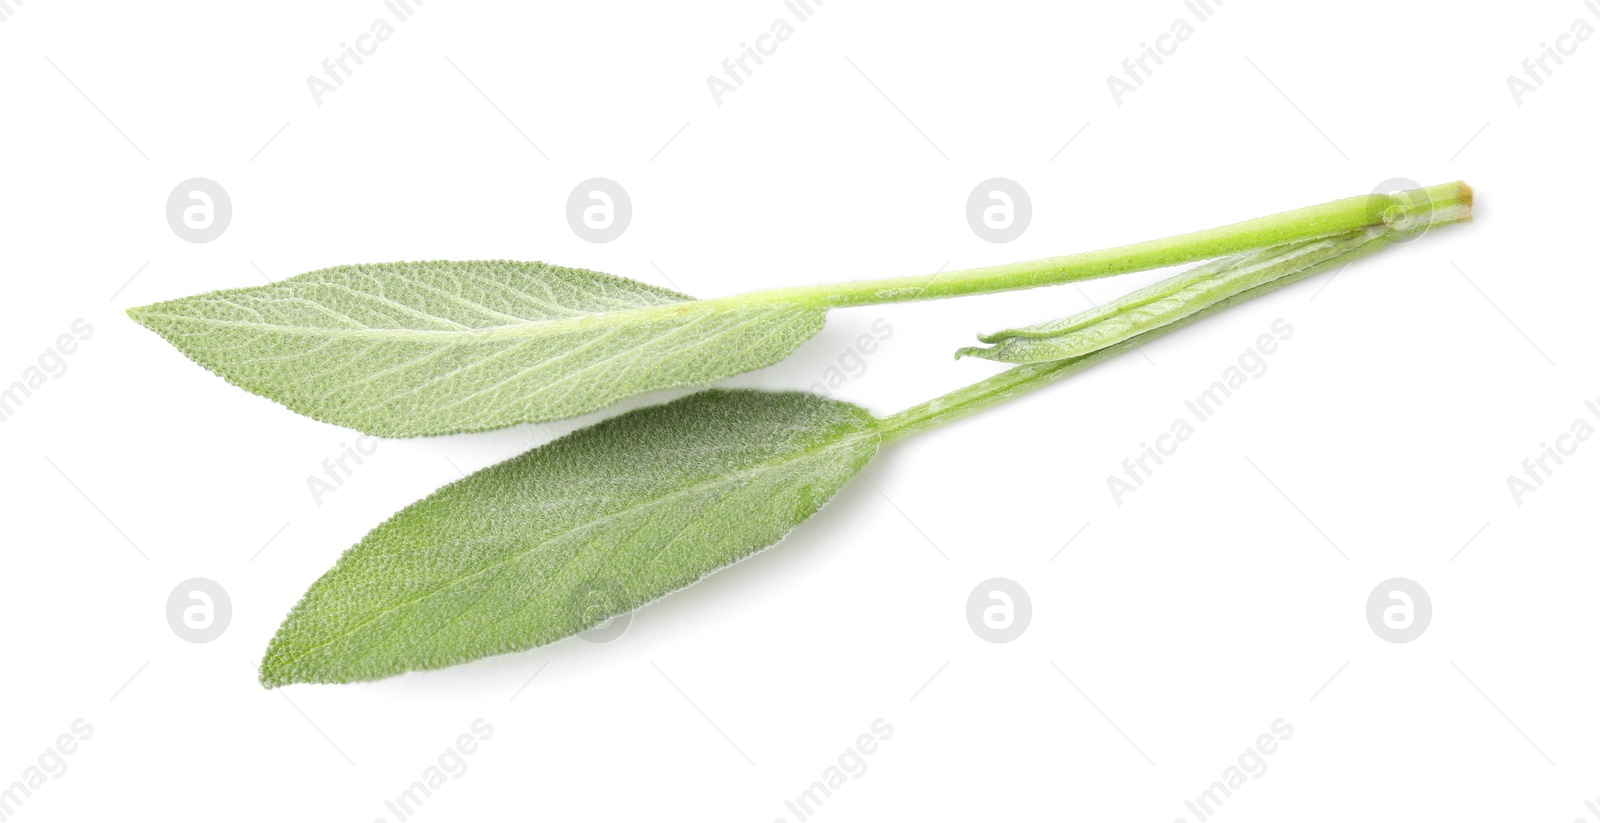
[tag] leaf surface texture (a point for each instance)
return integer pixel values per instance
(410, 349)
(563, 537)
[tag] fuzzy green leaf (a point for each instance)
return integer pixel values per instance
(569, 534)
(410, 349)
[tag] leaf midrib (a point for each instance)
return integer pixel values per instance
(530, 328)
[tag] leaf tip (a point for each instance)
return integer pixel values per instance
(268, 675)
(278, 667)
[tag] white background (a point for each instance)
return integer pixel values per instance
(1170, 633)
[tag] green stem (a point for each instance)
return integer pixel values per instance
(1310, 223)
(1023, 379)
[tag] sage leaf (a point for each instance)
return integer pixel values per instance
(410, 349)
(633, 508)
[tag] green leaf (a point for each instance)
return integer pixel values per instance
(409, 349)
(1171, 300)
(512, 556)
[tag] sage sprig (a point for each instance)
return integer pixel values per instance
(410, 349)
(611, 517)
